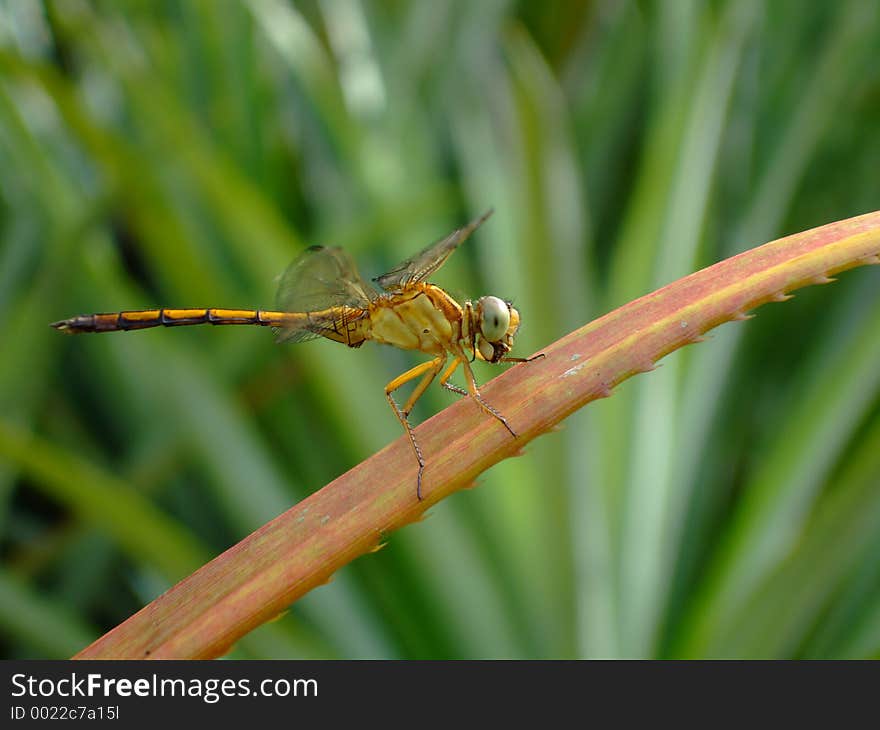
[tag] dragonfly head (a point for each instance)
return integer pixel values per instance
(496, 323)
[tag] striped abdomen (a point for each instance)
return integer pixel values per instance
(141, 319)
(348, 325)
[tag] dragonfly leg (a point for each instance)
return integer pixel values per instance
(474, 392)
(444, 379)
(539, 356)
(429, 370)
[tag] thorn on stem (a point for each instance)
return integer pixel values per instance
(781, 296)
(822, 279)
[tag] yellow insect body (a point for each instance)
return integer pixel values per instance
(322, 295)
(413, 321)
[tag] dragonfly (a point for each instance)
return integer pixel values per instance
(322, 294)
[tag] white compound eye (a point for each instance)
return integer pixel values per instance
(494, 318)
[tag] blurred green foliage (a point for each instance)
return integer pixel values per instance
(181, 153)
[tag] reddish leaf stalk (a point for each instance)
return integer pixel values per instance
(253, 581)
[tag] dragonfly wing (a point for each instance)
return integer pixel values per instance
(427, 261)
(320, 278)
(331, 323)
(325, 284)
(294, 334)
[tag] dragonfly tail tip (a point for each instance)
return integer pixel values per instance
(62, 324)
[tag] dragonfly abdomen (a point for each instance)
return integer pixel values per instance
(144, 318)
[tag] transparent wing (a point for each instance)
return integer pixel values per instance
(294, 335)
(325, 284)
(320, 278)
(331, 323)
(427, 261)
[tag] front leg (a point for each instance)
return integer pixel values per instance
(444, 379)
(472, 390)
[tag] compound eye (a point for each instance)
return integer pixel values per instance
(494, 318)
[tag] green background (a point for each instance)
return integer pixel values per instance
(181, 153)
